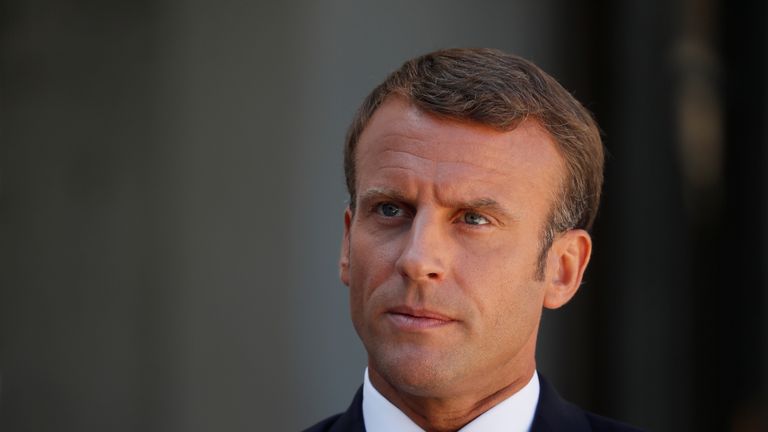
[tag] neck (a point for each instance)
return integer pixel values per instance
(447, 414)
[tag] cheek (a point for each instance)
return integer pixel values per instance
(501, 283)
(372, 264)
(373, 254)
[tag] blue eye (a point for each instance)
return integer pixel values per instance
(389, 210)
(474, 219)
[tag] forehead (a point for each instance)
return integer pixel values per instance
(401, 140)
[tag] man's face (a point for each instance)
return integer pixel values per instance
(440, 253)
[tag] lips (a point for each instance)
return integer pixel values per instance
(412, 319)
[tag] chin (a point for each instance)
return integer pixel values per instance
(419, 374)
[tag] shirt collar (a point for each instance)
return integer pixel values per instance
(514, 414)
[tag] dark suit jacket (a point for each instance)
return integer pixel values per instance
(552, 414)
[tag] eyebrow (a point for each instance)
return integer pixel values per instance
(375, 194)
(484, 203)
(488, 204)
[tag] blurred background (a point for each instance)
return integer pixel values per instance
(171, 200)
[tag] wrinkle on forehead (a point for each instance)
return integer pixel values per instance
(396, 153)
(436, 161)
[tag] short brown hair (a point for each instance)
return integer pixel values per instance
(499, 90)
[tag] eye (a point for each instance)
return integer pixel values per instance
(471, 218)
(389, 210)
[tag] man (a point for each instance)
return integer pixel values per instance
(473, 178)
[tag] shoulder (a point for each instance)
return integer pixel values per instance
(556, 414)
(604, 424)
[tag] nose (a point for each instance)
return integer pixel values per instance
(424, 256)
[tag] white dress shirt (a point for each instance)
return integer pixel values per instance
(514, 414)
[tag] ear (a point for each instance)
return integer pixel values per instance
(344, 258)
(566, 261)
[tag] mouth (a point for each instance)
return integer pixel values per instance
(410, 319)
